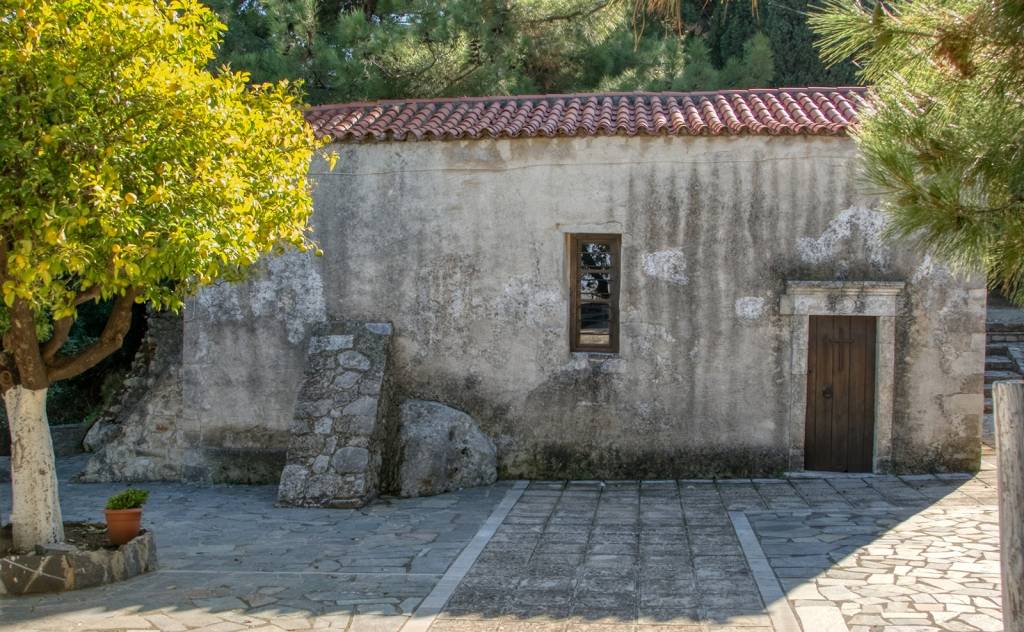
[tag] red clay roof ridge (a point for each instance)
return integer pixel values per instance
(587, 95)
(810, 111)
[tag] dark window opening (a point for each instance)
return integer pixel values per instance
(594, 261)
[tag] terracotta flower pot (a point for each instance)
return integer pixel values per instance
(123, 524)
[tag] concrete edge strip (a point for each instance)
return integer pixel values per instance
(782, 615)
(423, 617)
(339, 572)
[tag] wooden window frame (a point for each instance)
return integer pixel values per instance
(576, 271)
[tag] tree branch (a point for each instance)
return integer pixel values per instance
(87, 295)
(461, 76)
(114, 331)
(572, 15)
(61, 329)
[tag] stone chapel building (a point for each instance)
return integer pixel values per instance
(610, 285)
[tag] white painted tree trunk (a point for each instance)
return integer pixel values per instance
(1008, 400)
(35, 513)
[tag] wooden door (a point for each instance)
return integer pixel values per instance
(840, 430)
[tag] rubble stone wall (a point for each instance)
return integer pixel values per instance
(345, 421)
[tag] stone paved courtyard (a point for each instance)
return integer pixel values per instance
(857, 554)
(229, 560)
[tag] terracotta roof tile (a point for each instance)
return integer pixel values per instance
(812, 111)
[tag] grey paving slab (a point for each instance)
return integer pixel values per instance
(230, 560)
(923, 555)
(844, 553)
(812, 554)
(622, 556)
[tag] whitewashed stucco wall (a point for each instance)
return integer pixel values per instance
(461, 245)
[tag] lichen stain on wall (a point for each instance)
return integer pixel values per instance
(523, 300)
(750, 308)
(666, 265)
(850, 226)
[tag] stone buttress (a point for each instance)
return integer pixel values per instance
(344, 421)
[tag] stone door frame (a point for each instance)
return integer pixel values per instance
(803, 299)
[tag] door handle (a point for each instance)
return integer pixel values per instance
(827, 392)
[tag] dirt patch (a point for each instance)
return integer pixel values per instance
(88, 536)
(85, 536)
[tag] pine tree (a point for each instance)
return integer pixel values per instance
(699, 73)
(730, 25)
(349, 50)
(756, 67)
(945, 142)
(365, 49)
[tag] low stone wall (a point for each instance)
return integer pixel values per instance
(61, 568)
(67, 438)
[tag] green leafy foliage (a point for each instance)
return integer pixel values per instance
(128, 166)
(130, 498)
(945, 142)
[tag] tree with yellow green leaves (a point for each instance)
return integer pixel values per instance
(128, 172)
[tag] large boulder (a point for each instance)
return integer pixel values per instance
(442, 449)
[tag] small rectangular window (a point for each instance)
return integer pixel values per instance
(594, 261)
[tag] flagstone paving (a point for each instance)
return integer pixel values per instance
(230, 560)
(852, 554)
(882, 570)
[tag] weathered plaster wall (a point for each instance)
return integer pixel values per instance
(217, 389)
(461, 245)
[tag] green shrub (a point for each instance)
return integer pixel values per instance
(128, 499)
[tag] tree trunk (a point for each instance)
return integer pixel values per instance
(35, 513)
(1009, 412)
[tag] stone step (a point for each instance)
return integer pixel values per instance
(1006, 326)
(995, 376)
(1004, 336)
(998, 363)
(996, 348)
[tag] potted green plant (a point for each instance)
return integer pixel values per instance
(124, 515)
